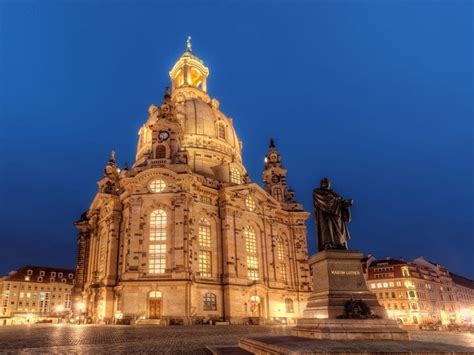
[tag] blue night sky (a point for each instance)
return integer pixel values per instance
(378, 96)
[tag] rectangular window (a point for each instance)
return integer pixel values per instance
(283, 272)
(205, 264)
(251, 243)
(280, 251)
(221, 131)
(157, 259)
(205, 236)
(252, 267)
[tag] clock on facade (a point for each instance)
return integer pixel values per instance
(275, 179)
(163, 135)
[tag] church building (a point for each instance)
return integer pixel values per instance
(183, 235)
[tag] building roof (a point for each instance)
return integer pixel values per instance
(375, 263)
(461, 280)
(41, 274)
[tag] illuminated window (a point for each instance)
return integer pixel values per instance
(252, 267)
(158, 225)
(289, 305)
(283, 272)
(235, 176)
(205, 266)
(157, 185)
(154, 294)
(210, 302)
(373, 286)
(221, 129)
(157, 259)
(278, 194)
(250, 203)
(250, 240)
(204, 233)
(405, 272)
(280, 250)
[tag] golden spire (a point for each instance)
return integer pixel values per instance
(188, 44)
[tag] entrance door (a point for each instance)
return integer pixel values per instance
(155, 308)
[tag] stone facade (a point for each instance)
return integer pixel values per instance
(35, 293)
(420, 291)
(184, 234)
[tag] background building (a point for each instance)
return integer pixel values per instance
(184, 234)
(36, 293)
(420, 291)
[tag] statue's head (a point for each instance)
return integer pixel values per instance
(325, 183)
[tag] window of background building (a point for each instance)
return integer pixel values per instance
(289, 305)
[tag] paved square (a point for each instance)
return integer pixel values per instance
(154, 339)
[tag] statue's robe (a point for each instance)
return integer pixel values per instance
(332, 215)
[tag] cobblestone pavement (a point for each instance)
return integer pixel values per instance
(71, 339)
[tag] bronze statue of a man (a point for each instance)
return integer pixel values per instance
(332, 214)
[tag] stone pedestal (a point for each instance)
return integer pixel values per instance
(338, 277)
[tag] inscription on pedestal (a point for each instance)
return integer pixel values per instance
(342, 272)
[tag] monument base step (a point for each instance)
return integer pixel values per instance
(349, 329)
(296, 345)
(227, 350)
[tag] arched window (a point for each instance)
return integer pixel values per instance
(158, 225)
(278, 194)
(157, 251)
(235, 177)
(160, 152)
(251, 248)
(210, 302)
(154, 294)
(204, 233)
(250, 240)
(289, 305)
(280, 250)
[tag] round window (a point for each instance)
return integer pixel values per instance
(157, 185)
(250, 203)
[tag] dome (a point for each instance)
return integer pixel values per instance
(209, 135)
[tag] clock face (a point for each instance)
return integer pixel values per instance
(275, 179)
(163, 135)
(273, 157)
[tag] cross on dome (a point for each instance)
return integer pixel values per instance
(188, 44)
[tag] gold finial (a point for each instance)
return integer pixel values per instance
(188, 44)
